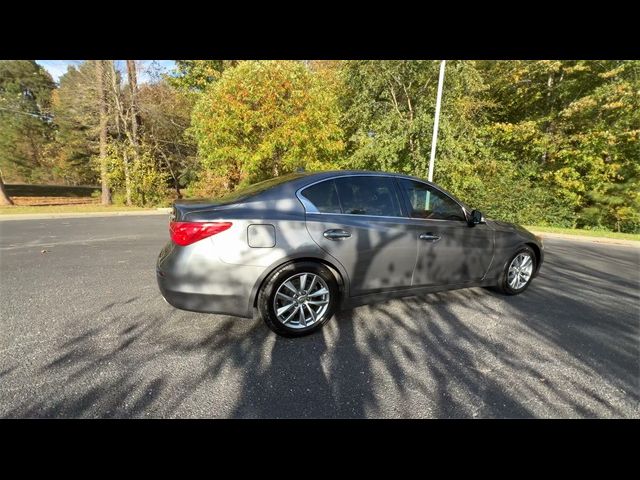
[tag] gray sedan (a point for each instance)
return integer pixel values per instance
(301, 246)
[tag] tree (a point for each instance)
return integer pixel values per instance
(120, 117)
(166, 115)
(5, 199)
(76, 118)
(574, 126)
(101, 73)
(194, 76)
(264, 119)
(25, 121)
(388, 112)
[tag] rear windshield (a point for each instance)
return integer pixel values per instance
(256, 188)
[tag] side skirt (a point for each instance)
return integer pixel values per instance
(367, 299)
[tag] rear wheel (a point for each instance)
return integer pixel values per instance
(518, 272)
(298, 299)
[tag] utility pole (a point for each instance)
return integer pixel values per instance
(436, 121)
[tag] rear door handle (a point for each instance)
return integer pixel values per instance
(429, 237)
(336, 234)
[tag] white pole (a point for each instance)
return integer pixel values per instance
(436, 121)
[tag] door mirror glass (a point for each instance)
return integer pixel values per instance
(476, 218)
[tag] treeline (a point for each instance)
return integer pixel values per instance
(536, 142)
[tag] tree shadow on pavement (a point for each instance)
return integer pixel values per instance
(550, 352)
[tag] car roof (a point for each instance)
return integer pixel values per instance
(306, 178)
(310, 177)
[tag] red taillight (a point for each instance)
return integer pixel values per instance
(186, 233)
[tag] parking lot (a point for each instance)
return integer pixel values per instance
(85, 333)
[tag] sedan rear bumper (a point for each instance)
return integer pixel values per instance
(229, 304)
(194, 278)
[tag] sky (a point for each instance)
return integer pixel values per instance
(146, 68)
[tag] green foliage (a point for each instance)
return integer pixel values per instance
(389, 110)
(148, 182)
(196, 75)
(576, 124)
(552, 142)
(544, 142)
(75, 114)
(25, 123)
(264, 119)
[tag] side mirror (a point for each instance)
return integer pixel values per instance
(476, 218)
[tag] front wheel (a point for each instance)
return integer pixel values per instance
(298, 299)
(518, 272)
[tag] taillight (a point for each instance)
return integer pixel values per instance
(186, 233)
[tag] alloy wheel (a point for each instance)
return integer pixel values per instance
(301, 300)
(520, 271)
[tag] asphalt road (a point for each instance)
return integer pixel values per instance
(85, 333)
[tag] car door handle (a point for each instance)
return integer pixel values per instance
(336, 234)
(429, 237)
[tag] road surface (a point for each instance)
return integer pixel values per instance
(85, 333)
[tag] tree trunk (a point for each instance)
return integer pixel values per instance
(120, 117)
(102, 101)
(4, 198)
(133, 85)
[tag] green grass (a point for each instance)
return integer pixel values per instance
(585, 233)
(21, 209)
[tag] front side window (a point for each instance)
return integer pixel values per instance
(368, 195)
(427, 202)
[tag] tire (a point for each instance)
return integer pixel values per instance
(293, 274)
(506, 281)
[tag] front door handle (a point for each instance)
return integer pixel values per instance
(429, 237)
(336, 234)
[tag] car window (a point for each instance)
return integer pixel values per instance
(427, 202)
(323, 196)
(368, 195)
(245, 192)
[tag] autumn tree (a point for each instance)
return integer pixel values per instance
(263, 119)
(166, 115)
(574, 126)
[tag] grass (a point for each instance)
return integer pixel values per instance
(585, 233)
(82, 208)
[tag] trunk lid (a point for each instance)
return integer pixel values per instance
(186, 210)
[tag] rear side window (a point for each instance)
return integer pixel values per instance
(361, 195)
(323, 196)
(368, 195)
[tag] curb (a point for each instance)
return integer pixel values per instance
(48, 216)
(581, 238)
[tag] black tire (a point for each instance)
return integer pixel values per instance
(273, 282)
(503, 285)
